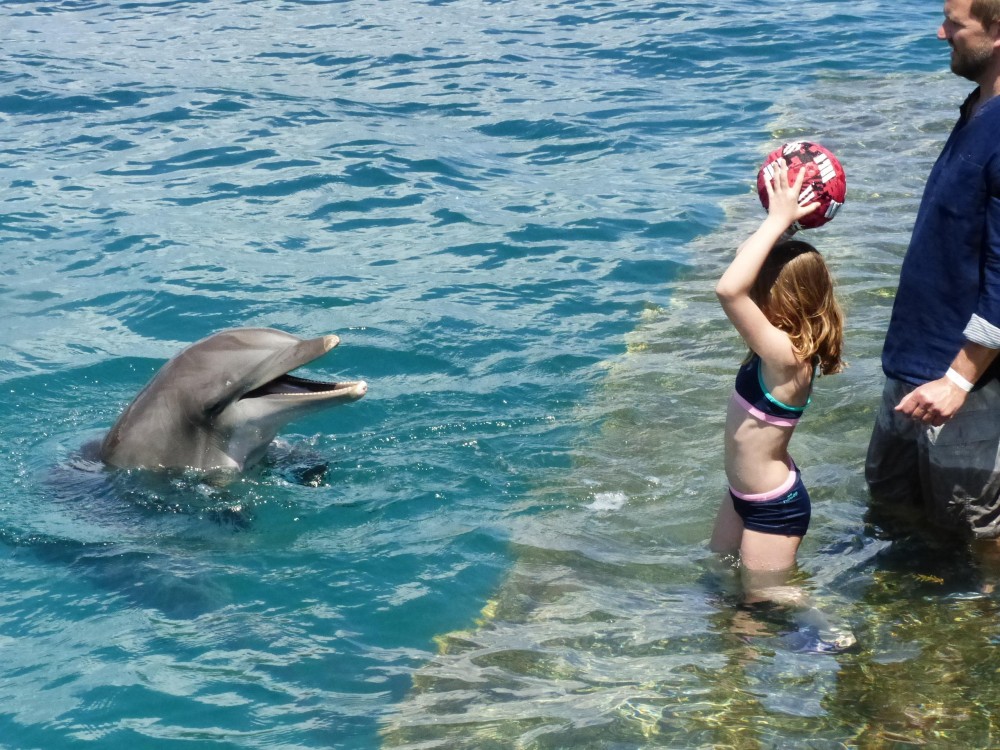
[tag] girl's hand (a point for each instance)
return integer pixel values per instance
(783, 198)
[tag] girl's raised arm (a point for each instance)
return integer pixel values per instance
(733, 289)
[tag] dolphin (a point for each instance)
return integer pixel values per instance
(220, 402)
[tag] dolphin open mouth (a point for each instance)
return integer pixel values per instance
(219, 402)
(292, 386)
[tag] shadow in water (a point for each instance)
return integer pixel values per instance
(157, 539)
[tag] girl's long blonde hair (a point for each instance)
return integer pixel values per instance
(795, 291)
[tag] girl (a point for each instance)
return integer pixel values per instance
(780, 299)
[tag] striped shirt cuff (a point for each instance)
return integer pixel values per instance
(982, 332)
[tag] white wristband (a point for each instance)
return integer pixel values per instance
(958, 380)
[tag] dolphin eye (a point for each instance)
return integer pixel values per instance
(214, 410)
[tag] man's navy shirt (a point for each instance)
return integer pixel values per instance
(949, 285)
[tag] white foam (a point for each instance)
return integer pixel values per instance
(608, 501)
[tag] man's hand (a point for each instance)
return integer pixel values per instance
(933, 403)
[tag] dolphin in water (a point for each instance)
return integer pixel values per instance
(220, 402)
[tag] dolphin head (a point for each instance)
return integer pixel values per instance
(220, 402)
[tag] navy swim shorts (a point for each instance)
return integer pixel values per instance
(786, 511)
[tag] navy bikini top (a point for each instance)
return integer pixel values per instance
(753, 396)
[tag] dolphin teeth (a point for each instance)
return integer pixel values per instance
(290, 385)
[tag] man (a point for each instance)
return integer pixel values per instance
(935, 449)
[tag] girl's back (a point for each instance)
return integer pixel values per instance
(760, 420)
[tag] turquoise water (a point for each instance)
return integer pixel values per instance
(511, 213)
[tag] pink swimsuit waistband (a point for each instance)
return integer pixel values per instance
(793, 476)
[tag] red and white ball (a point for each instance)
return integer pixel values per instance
(825, 181)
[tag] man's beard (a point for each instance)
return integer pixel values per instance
(971, 63)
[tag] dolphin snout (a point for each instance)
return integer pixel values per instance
(330, 341)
